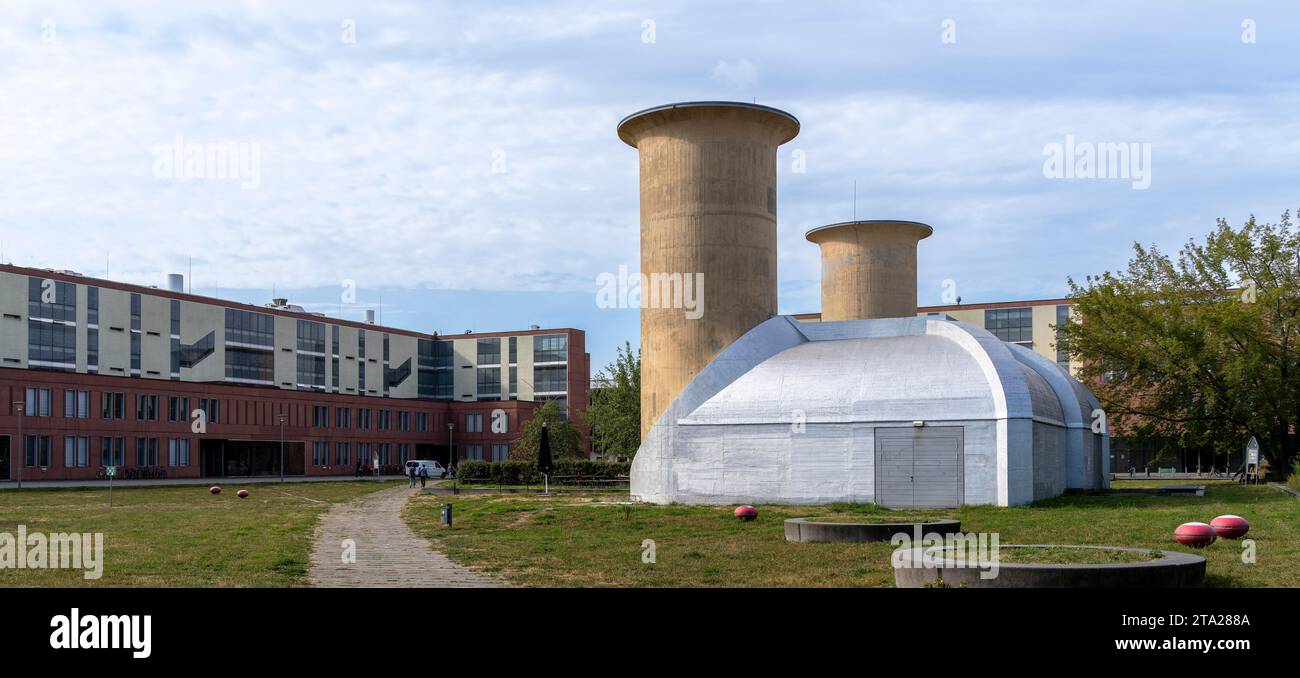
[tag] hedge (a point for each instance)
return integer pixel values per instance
(525, 472)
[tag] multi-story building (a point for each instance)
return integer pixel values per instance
(1031, 324)
(160, 381)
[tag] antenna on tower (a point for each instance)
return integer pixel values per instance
(855, 199)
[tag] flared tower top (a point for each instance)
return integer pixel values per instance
(784, 126)
(815, 235)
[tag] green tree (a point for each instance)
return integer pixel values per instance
(615, 409)
(566, 441)
(1199, 350)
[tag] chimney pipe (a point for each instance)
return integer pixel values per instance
(175, 282)
(708, 228)
(370, 316)
(869, 268)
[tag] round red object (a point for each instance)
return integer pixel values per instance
(1196, 535)
(214, 489)
(1230, 526)
(242, 494)
(746, 513)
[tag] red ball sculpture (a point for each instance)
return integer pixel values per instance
(746, 513)
(1230, 526)
(1196, 535)
(214, 489)
(242, 494)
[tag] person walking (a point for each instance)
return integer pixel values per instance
(424, 476)
(411, 472)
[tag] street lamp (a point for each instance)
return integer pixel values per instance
(19, 407)
(283, 418)
(451, 456)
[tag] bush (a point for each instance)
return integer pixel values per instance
(525, 473)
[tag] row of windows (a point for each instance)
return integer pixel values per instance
(500, 452)
(77, 453)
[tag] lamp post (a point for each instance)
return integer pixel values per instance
(283, 418)
(19, 407)
(451, 456)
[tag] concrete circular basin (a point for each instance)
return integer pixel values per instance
(1172, 570)
(813, 530)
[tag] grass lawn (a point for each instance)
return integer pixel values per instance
(181, 535)
(591, 540)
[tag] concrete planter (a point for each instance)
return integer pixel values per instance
(810, 531)
(1174, 570)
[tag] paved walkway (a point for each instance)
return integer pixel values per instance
(388, 553)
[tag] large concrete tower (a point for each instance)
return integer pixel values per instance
(869, 268)
(708, 215)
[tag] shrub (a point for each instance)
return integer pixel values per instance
(525, 473)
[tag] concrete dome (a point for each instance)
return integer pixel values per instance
(822, 412)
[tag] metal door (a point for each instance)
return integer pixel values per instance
(919, 467)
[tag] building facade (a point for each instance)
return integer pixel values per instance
(1031, 324)
(163, 382)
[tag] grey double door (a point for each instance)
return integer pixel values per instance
(919, 467)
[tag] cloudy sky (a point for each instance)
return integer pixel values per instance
(459, 161)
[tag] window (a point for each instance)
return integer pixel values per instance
(473, 423)
(403, 453)
(135, 334)
(500, 452)
(320, 416)
(385, 453)
(51, 324)
(146, 451)
(363, 453)
(320, 453)
(178, 452)
(342, 454)
(489, 383)
(176, 339)
(361, 344)
(250, 344)
(551, 379)
(342, 417)
(489, 351)
(76, 451)
(514, 381)
(37, 402)
(112, 452)
(250, 366)
(38, 451)
(178, 408)
(311, 372)
(1062, 350)
(422, 422)
(212, 409)
(436, 383)
(363, 418)
(514, 350)
(112, 406)
(1010, 324)
(76, 404)
(385, 420)
(474, 452)
(436, 354)
(311, 336)
(550, 348)
(249, 328)
(146, 407)
(403, 421)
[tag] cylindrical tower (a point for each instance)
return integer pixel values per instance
(708, 226)
(869, 268)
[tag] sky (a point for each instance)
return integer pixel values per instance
(454, 165)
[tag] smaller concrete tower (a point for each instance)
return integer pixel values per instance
(869, 268)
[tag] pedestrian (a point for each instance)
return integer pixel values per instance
(411, 472)
(358, 468)
(424, 476)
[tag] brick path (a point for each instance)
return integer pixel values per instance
(388, 553)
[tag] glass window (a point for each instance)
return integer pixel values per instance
(178, 452)
(550, 348)
(37, 402)
(1010, 324)
(489, 351)
(489, 383)
(76, 451)
(38, 451)
(551, 379)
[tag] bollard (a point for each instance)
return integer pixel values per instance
(446, 515)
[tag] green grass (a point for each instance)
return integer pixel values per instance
(1062, 555)
(181, 535)
(590, 540)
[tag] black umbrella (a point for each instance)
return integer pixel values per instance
(544, 452)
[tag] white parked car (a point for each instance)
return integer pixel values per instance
(435, 469)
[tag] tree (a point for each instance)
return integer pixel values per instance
(1201, 351)
(615, 410)
(565, 439)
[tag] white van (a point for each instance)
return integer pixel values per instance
(434, 469)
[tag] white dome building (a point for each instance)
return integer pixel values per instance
(902, 412)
